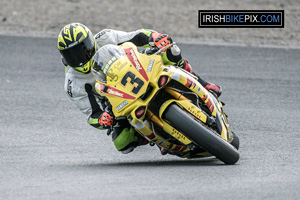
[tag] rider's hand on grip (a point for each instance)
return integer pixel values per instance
(160, 40)
(106, 120)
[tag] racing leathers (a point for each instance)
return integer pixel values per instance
(80, 87)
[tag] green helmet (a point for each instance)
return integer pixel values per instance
(77, 46)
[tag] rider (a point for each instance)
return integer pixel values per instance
(77, 46)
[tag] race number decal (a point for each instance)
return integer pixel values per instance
(133, 81)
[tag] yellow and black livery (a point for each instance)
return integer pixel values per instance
(142, 89)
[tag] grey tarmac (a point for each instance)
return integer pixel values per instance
(48, 151)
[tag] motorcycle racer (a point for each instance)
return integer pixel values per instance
(77, 46)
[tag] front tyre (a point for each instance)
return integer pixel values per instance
(236, 141)
(201, 135)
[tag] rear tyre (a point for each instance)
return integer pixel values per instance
(201, 135)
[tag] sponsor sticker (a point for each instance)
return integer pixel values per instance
(112, 75)
(114, 92)
(101, 33)
(135, 60)
(109, 63)
(124, 103)
(69, 88)
(119, 65)
(198, 89)
(150, 65)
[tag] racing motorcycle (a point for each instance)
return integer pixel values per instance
(165, 104)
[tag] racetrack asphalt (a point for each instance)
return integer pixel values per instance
(48, 151)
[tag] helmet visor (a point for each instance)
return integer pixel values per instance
(80, 53)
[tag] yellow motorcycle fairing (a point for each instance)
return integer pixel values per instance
(138, 70)
(128, 81)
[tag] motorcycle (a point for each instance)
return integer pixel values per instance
(165, 104)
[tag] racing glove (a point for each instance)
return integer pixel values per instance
(106, 120)
(159, 40)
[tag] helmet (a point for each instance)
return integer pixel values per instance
(77, 46)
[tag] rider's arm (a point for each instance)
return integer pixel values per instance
(108, 36)
(141, 38)
(79, 91)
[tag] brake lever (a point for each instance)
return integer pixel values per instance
(162, 49)
(156, 50)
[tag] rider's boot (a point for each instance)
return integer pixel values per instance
(207, 85)
(127, 139)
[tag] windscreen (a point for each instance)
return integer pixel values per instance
(104, 58)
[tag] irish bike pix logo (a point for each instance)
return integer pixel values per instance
(241, 18)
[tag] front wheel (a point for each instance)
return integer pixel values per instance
(201, 135)
(236, 141)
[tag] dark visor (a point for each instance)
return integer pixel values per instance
(81, 53)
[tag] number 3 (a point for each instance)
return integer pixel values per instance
(133, 80)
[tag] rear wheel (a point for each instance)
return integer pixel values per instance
(201, 135)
